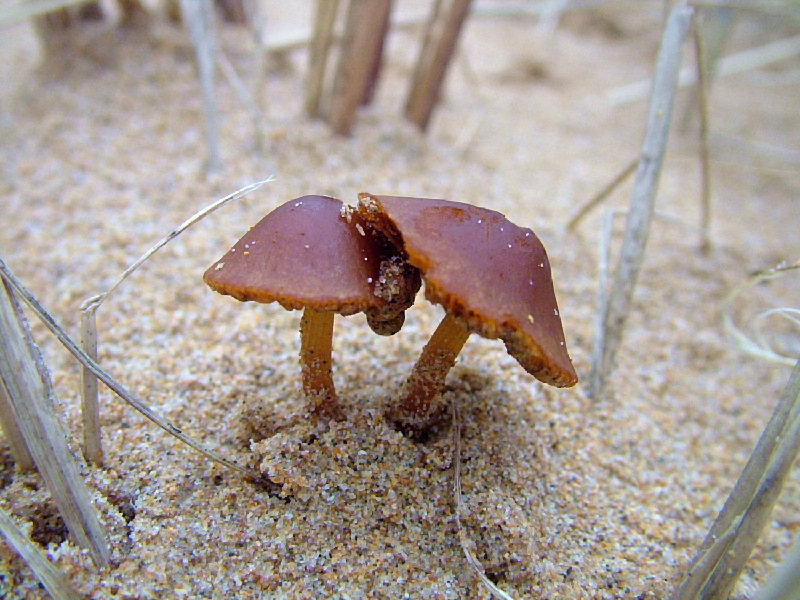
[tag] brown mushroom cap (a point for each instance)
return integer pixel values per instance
(304, 254)
(490, 274)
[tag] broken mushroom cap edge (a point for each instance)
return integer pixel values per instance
(491, 276)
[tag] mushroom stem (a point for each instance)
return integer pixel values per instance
(316, 337)
(428, 376)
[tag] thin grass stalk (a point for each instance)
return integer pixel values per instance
(53, 580)
(90, 404)
(434, 58)
(759, 56)
(465, 543)
(255, 14)
(715, 26)
(324, 21)
(22, 11)
(645, 186)
(295, 39)
(241, 91)
(470, 128)
(25, 377)
(790, 314)
(742, 341)
(198, 18)
(16, 441)
(740, 62)
(758, 348)
(199, 215)
(109, 381)
(703, 81)
(603, 268)
(550, 16)
(718, 564)
(605, 235)
(612, 185)
(781, 8)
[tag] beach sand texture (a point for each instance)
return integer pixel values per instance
(565, 497)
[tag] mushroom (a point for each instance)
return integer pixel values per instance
(492, 278)
(313, 254)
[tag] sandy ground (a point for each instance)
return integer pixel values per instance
(566, 497)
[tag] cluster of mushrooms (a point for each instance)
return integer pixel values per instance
(490, 276)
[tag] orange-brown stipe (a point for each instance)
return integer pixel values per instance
(307, 254)
(316, 341)
(437, 358)
(491, 276)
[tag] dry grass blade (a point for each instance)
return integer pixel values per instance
(603, 268)
(51, 578)
(22, 11)
(289, 39)
(618, 180)
(550, 15)
(256, 15)
(759, 347)
(16, 441)
(462, 536)
(705, 153)
(362, 42)
(29, 389)
(792, 315)
(783, 8)
(245, 97)
(716, 567)
(198, 15)
(109, 381)
(746, 60)
(715, 25)
(180, 229)
(644, 192)
(324, 22)
(605, 236)
(90, 404)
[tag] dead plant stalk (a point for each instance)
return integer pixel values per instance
(92, 445)
(109, 381)
(437, 50)
(362, 43)
(30, 395)
(716, 567)
(643, 197)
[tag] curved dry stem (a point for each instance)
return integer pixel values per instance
(758, 346)
(428, 376)
(316, 341)
(495, 591)
(109, 381)
(90, 404)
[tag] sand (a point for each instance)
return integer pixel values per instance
(565, 497)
